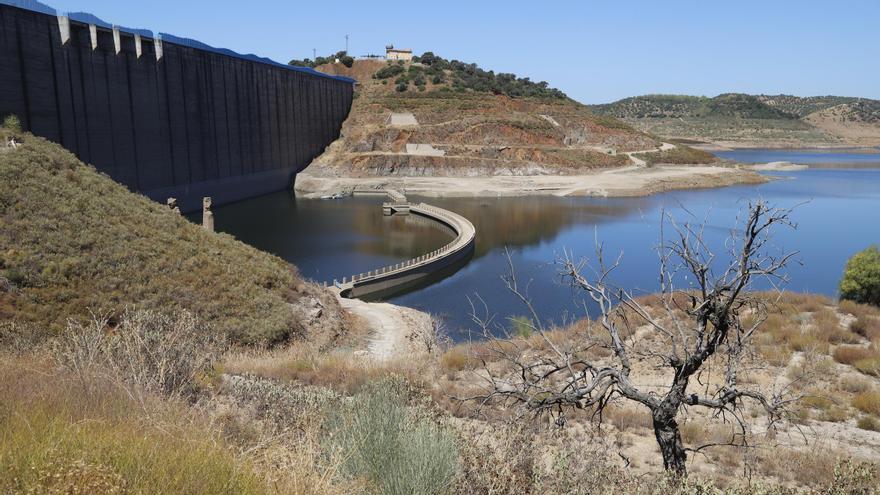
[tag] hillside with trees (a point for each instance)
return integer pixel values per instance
(342, 56)
(753, 120)
(469, 121)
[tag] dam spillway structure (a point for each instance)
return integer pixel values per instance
(443, 261)
(163, 115)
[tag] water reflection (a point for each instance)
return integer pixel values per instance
(530, 220)
(331, 239)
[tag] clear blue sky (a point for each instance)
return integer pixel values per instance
(594, 50)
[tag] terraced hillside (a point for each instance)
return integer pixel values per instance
(753, 120)
(421, 120)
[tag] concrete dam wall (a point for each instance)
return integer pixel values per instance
(162, 115)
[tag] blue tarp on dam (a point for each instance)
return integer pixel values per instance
(164, 115)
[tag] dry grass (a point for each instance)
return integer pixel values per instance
(853, 384)
(815, 467)
(867, 323)
(776, 355)
(869, 423)
(627, 418)
(864, 359)
(304, 363)
(60, 436)
(680, 155)
(165, 354)
(697, 431)
(867, 402)
(869, 366)
(829, 329)
(848, 354)
(458, 358)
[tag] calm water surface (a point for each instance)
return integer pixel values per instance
(845, 156)
(839, 214)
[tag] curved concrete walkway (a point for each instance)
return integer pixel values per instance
(392, 276)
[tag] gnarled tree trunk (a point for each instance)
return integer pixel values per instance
(669, 439)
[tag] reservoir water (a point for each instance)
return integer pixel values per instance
(827, 157)
(838, 214)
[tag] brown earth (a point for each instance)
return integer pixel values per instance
(848, 123)
(478, 133)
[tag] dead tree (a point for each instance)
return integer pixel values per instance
(713, 316)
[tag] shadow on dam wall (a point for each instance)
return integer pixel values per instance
(165, 118)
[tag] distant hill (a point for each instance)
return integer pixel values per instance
(753, 119)
(461, 119)
(676, 106)
(858, 109)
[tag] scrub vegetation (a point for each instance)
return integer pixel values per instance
(342, 56)
(73, 241)
(462, 76)
(680, 155)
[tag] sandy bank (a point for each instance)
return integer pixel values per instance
(777, 167)
(629, 181)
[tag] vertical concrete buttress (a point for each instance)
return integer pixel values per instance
(138, 49)
(93, 34)
(117, 41)
(64, 28)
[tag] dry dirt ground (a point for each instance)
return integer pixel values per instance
(392, 331)
(800, 452)
(471, 133)
(630, 181)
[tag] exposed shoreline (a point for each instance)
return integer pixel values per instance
(778, 167)
(624, 182)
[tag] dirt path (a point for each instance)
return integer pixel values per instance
(638, 162)
(394, 330)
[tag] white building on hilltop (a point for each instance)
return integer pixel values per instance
(392, 53)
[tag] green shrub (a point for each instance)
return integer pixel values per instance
(12, 123)
(521, 326)
(389, 447)
(466, 76)
(388, 72)
(401, 87)
(869, 423)
(861, 277)
(680, 155)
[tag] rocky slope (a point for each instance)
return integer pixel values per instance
(441, 126)
(753, 120)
